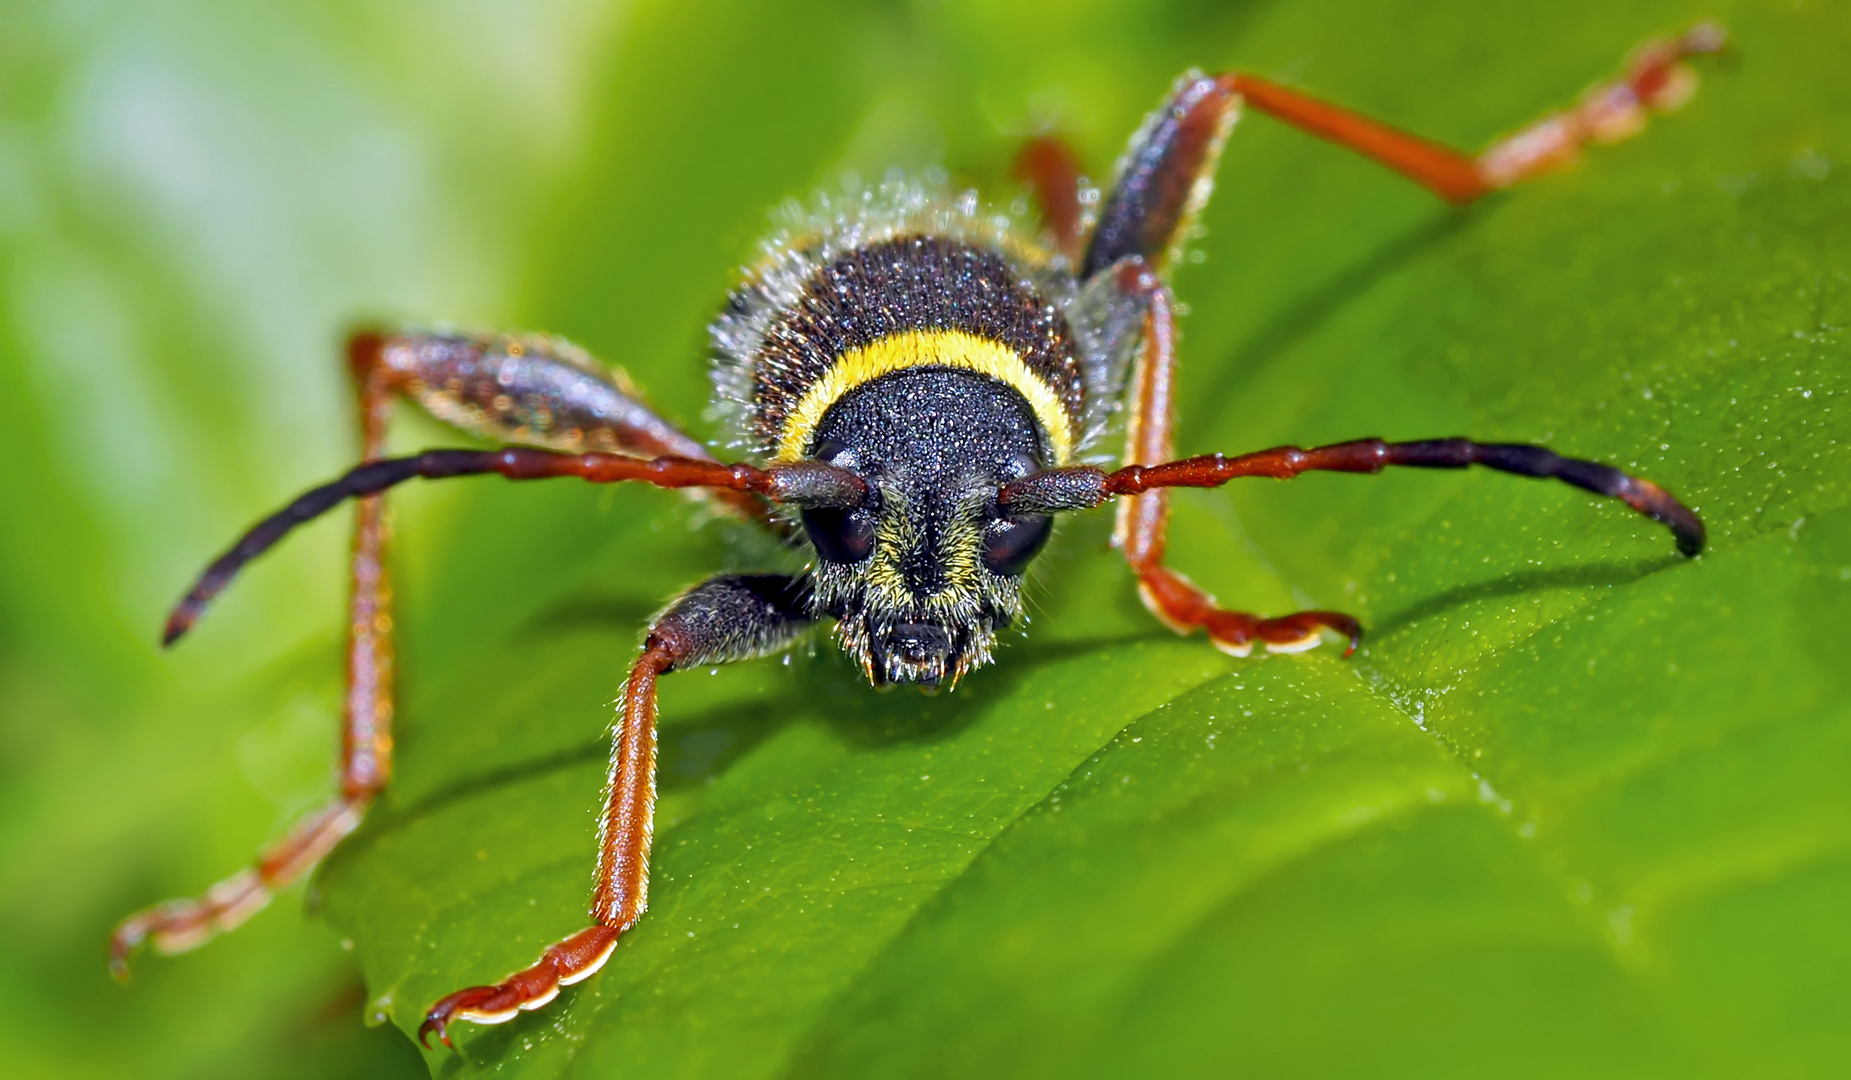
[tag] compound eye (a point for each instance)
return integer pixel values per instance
(840, 536)
(1009, 544)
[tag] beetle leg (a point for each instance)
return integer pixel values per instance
(1167, 174)
(733, 617)
(176, 926)
(1143, 518)
(1052, 171)
(1656, 80)
(531, 390)
(366, 733)
(535, 390)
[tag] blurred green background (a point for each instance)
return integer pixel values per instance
(1577, 806)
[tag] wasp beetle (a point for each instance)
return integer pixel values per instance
(919, 385)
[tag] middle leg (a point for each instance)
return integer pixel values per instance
(733, 617)
(533, 390)
(1143, 519)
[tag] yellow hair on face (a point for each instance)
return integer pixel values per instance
(953, 349)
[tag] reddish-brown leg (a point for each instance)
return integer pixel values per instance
(530, 389)
(535, 390)
(622, 890)
(366, 730)
(1052, 170)
(1166, 178)
(366, 735)
(1655, 80)
(732, 617)
(1143, 518)
(1168, 172)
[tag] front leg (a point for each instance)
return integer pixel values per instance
(733, 617)
(1144, 513)
(1144, 518)
(1184, 607)
(532, 390)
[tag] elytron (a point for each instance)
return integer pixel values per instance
(918, 386)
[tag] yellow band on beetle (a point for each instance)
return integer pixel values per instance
(953, 349)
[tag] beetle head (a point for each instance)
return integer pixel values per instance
(922, 575)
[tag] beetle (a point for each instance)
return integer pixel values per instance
(921, 385)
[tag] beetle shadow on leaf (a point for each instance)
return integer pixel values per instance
(698, 746)
(1608, 574)
(617, 614)
(1294, 324)
(868, 719)
(695, 747)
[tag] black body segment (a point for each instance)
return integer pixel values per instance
(909, 283)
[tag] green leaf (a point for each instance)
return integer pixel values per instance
(1576, 806)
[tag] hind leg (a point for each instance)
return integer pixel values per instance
(1165, 180)
(1169, 169)
(366, 732)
